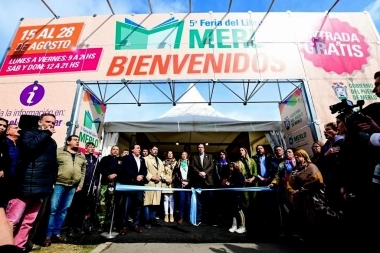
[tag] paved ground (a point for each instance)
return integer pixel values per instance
(186, 233)
(198, 248)
(170, 237)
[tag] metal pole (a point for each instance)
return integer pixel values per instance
(261, 22)
(72, 125)
(47, 6)
(310, 109)
(229, 6)
(150, 7)
(332, 7)
(111, 234)
(93, 174)
(109, 4)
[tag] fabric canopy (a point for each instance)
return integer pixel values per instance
(192, 126)
(192, 117)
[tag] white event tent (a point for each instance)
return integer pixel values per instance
(192, 121)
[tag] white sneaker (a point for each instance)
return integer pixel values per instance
(241, 230)
(232, 229)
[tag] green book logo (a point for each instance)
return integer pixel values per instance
(130, 36)
(90, 123)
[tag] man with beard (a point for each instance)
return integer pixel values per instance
(71, 174)
(265, 202)
(152, 199)
(109, 168)
(83, 203)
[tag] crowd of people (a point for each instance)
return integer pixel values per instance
(337, 188)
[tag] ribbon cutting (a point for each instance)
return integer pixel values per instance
(193, 204)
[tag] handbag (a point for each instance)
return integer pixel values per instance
(322, 207)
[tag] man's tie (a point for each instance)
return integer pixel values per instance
(156, 161)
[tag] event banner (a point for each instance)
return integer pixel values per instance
(295, 122)
(90, 121)
(36, 99)
(41, 63)
(184, 46)
(47, 49)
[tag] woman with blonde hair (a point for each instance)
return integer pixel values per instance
(249, 169)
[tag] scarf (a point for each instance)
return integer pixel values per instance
(184, 166)
(223, 162)
(169, 161)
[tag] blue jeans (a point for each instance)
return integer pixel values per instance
(184, 203)
(60, 202)
(150, 212)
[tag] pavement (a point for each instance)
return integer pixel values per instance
(170, 237)
(197, 247)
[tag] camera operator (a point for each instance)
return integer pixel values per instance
(356, 163)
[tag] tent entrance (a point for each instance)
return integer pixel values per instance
(212, 111)
(178, 142)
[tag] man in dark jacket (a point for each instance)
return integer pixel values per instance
(265, 171)
(202, 170)
(109, 168)
(36, 173)
(133, 172)
(265, 202)
(84, 201)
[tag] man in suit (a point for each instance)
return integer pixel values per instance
(265, 172)
(133, 172)
(201, 168)
(265, 210)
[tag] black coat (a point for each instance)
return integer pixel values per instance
(177, 176)
(91, 163)
(109, 165)
(129, 171)
(37, 169)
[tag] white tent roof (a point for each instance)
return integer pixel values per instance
(188, 116)
(186, 106)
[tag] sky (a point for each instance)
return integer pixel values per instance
(12, 11)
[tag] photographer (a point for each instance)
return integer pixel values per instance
(356, 163)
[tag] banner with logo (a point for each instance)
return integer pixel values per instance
(90, 121)
(319, 49)
(37, 99)
(294, 116)
(184, 46)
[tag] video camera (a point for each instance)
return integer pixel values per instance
(352, 117)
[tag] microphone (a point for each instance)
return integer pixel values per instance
(375, 139)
